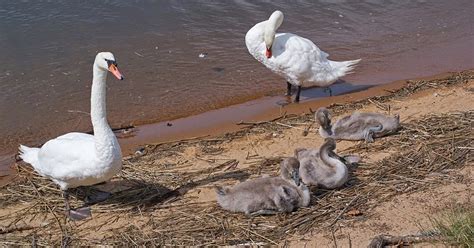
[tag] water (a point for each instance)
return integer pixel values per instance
(47, 49)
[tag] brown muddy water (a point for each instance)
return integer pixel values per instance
(47, 49)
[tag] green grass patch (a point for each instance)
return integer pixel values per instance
(457, 226)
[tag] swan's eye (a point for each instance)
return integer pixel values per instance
(111, 62)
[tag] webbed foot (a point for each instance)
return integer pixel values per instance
(79, 213)
(263, 212)
(351, 159)
(369, 137)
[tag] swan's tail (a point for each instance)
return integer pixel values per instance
(29, 155)
(342, 68)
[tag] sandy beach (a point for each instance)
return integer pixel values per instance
(165, 194)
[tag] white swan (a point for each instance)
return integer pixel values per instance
(295, 58)
(79, 159)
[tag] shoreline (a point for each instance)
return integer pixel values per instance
(225, 120)
(172, 183)
(217, 122)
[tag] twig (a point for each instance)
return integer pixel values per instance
(20, 228)
(261, 122)
(333, 238)
(383, 240)
(78, 111)
(261, 236)
(47, 205)
(138, 54)
(290, 126)
(344, 210)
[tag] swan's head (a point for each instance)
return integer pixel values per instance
(273, 23)
(323, 117)
(106, 61)
(391, 125)
(290, 170)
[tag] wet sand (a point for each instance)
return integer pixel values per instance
(226, 120)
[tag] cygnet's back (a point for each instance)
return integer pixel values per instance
(326, 170)
(266, 195)
(357, 126)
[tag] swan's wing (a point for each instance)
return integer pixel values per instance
(296, 46)
(299, 58)
(355, 126)
(67, 156)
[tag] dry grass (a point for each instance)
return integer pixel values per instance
(151, 209)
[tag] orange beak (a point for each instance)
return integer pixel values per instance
(269, 52)
(114, 70)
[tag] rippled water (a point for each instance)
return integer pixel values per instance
(47, 49)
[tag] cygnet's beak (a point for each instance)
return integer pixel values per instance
(296, 177)
(269, 52)
(114, 70)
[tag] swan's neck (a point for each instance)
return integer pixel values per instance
(335, 164)
(325, 132)
(104, 137)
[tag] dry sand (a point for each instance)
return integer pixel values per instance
(194, 167)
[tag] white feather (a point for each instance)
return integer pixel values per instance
(79, 159)
(295, 58)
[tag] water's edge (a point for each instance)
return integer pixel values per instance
(225, 120)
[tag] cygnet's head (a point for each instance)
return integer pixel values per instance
(106, 61)
(329, 145)
(323, 117)
(290, 170)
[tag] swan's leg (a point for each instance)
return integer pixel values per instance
(297, 98)
(369, 135)
(66, 200)
(75, 214)
(264, 212)
(328, 89)
(288, 89)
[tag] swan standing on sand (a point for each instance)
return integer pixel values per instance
(295, 58)
(358, 126)
(265, 195)
(79, 159)
(324, 168)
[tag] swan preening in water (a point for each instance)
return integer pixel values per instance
(358, 126)
(295, 58)
(79, 159)
(265, 195)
